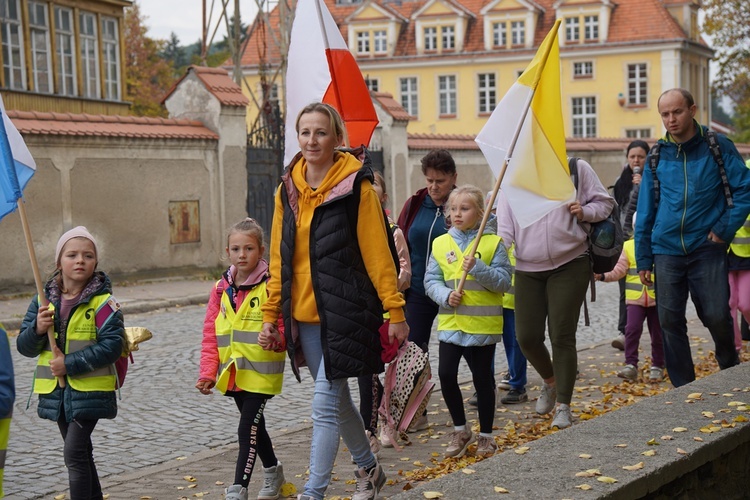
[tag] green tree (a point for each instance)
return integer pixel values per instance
(148, 76)
(728, 23)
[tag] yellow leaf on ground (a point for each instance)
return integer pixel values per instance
(189, 478)
(288, 490)
(649, 453)
(584, 487)
(637, 466)
(652, 442)
(589, 473)
(405, 459)
(606, 479)
(699, 439)
(522, 450)
(679, 429)
(193, 485)
(432, 494)
(708, 414)
(735, 403)
(695, 395)
(219, 483)
(584, 455)
(667, 438)
(500, 489)
(740, 418)
(681, 451)
(62, 497)
(468, 471)
(622, 445)
(180, 458)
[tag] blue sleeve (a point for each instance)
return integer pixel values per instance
(738, 176)
(29, 343)
(7, 384)
(644, 223)
(434, 283)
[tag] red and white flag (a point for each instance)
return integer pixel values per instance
(321, 68)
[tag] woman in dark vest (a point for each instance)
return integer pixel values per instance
(332, 277)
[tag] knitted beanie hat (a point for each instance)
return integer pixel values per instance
(76, 232)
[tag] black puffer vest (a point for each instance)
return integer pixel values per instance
(348, 305)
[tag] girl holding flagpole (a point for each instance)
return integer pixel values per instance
(332, 277)
(82, 357)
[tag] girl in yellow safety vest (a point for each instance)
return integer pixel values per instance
(75, 377)
(640, 301)
(738, 263)
(233, 361)
(470, 322)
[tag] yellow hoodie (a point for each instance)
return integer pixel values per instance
(372, 243)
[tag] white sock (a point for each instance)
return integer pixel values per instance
(459, 428)
(484, 434)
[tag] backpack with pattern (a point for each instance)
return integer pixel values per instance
(406, 391)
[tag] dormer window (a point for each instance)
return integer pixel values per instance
(449, 37)
(499, 35)
(591, 28)
(430, 38)
(518, 33)
(380, 39)
(363, 42)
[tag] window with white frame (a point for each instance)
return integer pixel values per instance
(517, 32)
(373, 84)
(499, 35)
(584, 116)
(430, 38)
(89, 55)
(447, 94)
(41, 60)
(111, 58)
(363, 42)
(65, 67)
(637, 84)
(12, 40)
(381, 41)
(591, 28)
(583, 69)
(571, 29)
(487, 92)
(409, 97)
(638, 133)
(449, 37)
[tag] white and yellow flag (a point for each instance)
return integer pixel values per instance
(526, 129)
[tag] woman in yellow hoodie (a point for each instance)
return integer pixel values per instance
(332, 277)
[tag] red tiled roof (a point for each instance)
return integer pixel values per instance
(627, 26)
(217, 82)
(70, 124)
(391, 106)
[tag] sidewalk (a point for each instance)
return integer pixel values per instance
(207, 473)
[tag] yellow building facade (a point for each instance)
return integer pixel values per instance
(449, 62)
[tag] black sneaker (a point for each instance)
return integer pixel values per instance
(515, 396)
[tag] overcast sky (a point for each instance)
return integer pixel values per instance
(184, 17)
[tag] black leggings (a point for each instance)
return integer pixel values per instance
(370, 395)
(480, 362)
(79, 458)
(251, 435)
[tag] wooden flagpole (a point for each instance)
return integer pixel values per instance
(37, 277)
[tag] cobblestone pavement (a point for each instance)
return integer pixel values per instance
(162, 417)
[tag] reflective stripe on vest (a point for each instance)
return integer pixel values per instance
(256, 370)
(81, 333)
(741, 243)
(481, 310)
(509, 297)
(4, 434)
(633, 286)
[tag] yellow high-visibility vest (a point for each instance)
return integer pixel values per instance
(80, 333)
(4, 435)
(740, 245)
(633, 286)
(256, 370)
(509, 297)
(481, 310)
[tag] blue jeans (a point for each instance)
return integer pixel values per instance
(516, 359)
(333, 414)
(703, 274)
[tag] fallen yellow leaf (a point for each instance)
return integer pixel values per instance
(652, 442)
(468, 471)
(522, 450)
(740, 418)
(589, 473)
(679, 429)
(584, 455)
(606, 479)
(219, 483)
(180, 458)
(288, 490)
(500, 489)
(189, 478)
(649, 453)
(708, 414)
(60, 497)
(699, 439)
(193, 485)
(637, 466)
(432, 494)
(695, 395)
(584, 487)
(623, 445)
(405, 459)
(735, 403)
(667, 438)
(681, 451)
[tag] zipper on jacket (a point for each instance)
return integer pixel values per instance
(429, 239)
(684, 199)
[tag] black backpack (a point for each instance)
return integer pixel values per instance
(605, 237)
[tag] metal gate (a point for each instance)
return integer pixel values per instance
(265, 163)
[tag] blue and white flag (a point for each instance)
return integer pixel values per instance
(16, 165)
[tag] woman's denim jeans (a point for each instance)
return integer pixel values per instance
(333, 414)
(703, 274)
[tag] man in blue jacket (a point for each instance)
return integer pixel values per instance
(683, 238)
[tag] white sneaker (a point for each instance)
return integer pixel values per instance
(419, 423)
(656, 374)
(563, 418)
(385, 441)
(235, 492)
(273, 480)
(547, 398)
(368, 485)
